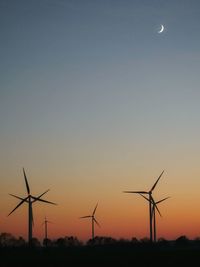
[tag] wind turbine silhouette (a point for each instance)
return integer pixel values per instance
(149, 193)
(30, 199)
(45, 223)
(93, 220)
(154, 208)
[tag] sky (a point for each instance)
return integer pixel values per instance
(93, 101)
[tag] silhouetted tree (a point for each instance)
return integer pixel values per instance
(135, 241)
(162, 242)
(60, 242)
(182, 240)
(67, 241)
(20, 242)
(35, 242)
(89, 242)
(197, 241)
(72, 241)
(145, 240)
(123, 240)
(47, 242)
(108, 241)
(101, 240)
(7, 239)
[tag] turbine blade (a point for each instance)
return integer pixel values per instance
(42, 200)
(41, 195)
(154, 206)
(136, 192)
(26, 181)
(144, 197)
(156, 181)
(96, 222)
(157, 210)
(89, 216)
(16, 197)
(95, 209)
(162, 200)
(20, 203)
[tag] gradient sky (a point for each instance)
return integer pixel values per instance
(93, 101)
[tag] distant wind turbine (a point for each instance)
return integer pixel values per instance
(93, 220)
(30, 200)
(154, 208)
(149, 193)
(45, 223)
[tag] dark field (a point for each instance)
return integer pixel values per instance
(101, 256)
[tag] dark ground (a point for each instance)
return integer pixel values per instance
(101, 256)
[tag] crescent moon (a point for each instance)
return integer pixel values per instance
(162, 29)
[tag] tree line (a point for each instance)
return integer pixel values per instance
(9, 240)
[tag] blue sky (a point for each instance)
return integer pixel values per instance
(83, 70)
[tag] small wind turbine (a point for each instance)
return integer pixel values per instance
(93, 220)
(154, 208)
(149, 193)
(30, 200)
(45, 223)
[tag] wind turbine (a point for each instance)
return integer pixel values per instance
(30, 199)
(149, 193)
(154, 208)
(93, 220)
(45, 223)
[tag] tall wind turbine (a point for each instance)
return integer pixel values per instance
(154, 208)
(93, 220)
(149, 193)
(30, 199)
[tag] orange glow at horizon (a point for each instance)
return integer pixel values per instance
(120, 215)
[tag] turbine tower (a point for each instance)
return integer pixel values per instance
(149, 193)
(45, 223)
(30, 199)
(154, 208)
(93, 220)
